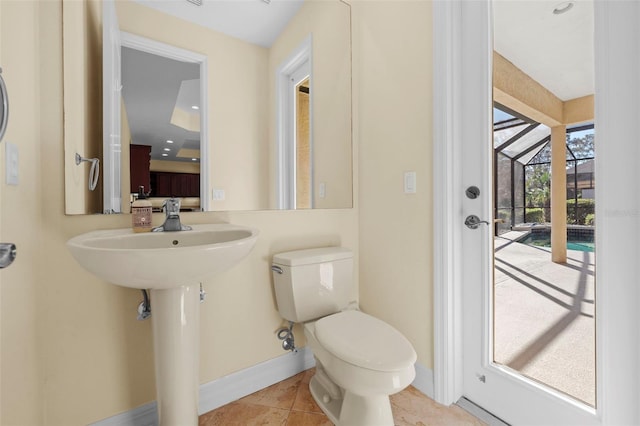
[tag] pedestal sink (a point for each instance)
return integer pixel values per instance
(171, 265)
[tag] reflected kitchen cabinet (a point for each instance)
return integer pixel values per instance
(166, 184)
(139, 168)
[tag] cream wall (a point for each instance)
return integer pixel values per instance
(83, 115)
(82, 355)
(392, 56)
(21, 357)
(72, 351)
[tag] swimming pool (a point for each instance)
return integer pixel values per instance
(580, 239)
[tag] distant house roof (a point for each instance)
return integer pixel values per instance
(586, 167)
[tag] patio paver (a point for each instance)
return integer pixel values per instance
(544, 316)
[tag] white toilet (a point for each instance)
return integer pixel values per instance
(360, 360)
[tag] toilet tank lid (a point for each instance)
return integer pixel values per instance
(311, 256)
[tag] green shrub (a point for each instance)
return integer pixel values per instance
(534, 215)
(585, 208)
(590, 219)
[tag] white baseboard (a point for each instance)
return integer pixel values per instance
(226, 389)
(242, 383)
(144, 415)
(230, 388)
(424, 380)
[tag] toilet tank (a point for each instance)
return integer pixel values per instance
(312, 283)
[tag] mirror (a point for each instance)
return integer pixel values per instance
(271, 87)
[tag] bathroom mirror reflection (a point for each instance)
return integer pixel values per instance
(252, 114)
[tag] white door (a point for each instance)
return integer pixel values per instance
(464, 303)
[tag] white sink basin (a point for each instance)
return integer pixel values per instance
(161, 260)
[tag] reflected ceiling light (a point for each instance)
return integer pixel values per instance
(169, 141)
(562, 7)
(185, 113)
(167, 149)
(194, 159)
(165, 155)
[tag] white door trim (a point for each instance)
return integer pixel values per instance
(617, 57)
(447, 312)
(111, 94)
(617, 50)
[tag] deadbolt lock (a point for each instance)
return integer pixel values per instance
(472, 192)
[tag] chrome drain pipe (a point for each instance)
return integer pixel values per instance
(144, 308)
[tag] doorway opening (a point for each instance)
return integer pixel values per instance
(544, 310)
(294, 92)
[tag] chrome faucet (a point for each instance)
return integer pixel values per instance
(171, 207)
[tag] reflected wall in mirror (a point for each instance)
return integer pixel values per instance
(255, 146)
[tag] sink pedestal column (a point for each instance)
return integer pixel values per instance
(175, 321)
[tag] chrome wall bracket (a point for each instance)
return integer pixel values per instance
(4, 107)
(8, 252)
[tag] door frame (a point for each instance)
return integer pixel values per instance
(617, 53)
(301, 56)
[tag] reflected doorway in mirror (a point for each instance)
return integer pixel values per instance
(295, 128)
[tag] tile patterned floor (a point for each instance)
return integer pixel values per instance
(290, 403)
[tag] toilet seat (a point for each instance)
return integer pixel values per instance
(365, 341)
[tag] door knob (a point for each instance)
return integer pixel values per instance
(472, 221)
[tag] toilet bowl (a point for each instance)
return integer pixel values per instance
(365, 357)
(360, 360)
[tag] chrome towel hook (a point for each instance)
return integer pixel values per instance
(4, 104)
(94, 173)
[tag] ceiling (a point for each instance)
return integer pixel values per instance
(150, 98)
(255, 21)
(555, 50)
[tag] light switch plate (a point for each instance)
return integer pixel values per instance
(322, 190)
(410, 182)
(12, 163)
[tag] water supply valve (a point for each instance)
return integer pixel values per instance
(286, 335)
(203, 294)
